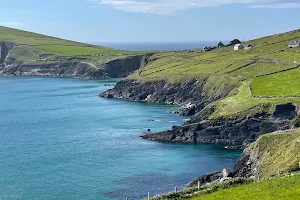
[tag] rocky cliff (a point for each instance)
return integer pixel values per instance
(193, 96)
(117, 68)
(232, 133)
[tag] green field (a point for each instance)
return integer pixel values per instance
(83, 50)
(55, 45)
(280, 84)
(286, 188)
(32, 47)
(29, 38)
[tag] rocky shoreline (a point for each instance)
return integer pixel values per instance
(191, 96)
(234, 133)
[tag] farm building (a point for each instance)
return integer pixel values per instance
(294, 44)
(220, 45)
(248, 46)
(205, 49)
(238, 47)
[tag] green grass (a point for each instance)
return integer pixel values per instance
(279, 85)
(29, 38)
(286, 188)
(56, 45)
(246, 67)
(277, 152)
(243, 103)
(26, 54)
(260, 68)
(80, 50)
(267, 54)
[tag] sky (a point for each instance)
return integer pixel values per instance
(152, 20)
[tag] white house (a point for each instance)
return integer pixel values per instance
(294, 44)
(238, 47)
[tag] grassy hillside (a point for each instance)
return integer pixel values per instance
(278, 152)
(268, 73)
(275, 189)
(278, 188)
(56, 45)
(29, 38)
(31, 48)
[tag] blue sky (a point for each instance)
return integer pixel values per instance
(152, 20)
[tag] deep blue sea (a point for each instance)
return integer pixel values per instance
(59, 140)
(154, 46)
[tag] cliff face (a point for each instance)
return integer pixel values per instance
(5, 49)
(271, 155)
(118, 68)
(193, 96)
(233, 133)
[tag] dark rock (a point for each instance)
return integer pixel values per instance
(234, 133)
(285, 111)
(207, 178)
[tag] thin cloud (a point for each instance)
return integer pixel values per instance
(165, 7)
(278, 5)
(11, 23)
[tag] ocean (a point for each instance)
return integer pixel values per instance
(59, 140)
(156, 46)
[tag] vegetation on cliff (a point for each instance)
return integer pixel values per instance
(27, 53)
(277, 153)
(286, 187)
(273, 155)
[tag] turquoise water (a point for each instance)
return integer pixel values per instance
(58, 140)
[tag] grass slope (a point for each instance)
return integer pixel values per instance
(29, 38)
(274, 189)
(32, 47)
(278, 152)
(268, 73)
(56, 45)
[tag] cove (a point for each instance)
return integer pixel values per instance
(59, 140)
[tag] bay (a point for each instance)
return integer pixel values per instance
(59, 140)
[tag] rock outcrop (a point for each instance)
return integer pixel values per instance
(233, 133)
(193, 97)
(5, 49)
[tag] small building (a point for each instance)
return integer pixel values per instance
(220, 45)
(294, 44)
(205, 49)
(238, 47)
(248, 46)
(234, 42)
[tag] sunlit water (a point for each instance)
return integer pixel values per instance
(58, 140)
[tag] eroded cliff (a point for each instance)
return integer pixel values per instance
(63, 66)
